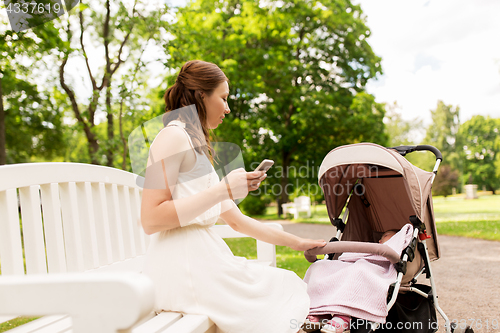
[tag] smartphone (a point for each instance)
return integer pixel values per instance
(265, 165)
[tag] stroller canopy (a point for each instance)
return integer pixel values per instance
(390, 190)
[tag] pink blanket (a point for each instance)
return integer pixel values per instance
(356, 285)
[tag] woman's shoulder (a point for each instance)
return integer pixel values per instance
(171, 140)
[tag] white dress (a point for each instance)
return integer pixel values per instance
(195, 272)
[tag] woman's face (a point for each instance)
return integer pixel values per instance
(216, 105)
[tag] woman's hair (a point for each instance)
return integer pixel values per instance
(194, 78)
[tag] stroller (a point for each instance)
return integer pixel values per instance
(380, 190)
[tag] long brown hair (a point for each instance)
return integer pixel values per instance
(195, 77)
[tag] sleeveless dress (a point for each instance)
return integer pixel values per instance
(195, 272)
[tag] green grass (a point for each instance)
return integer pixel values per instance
(15, 322)
(460, 209)
(479, 218)
(489, 230)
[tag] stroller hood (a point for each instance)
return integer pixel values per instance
(391, 190)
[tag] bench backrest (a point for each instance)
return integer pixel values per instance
(302, 202)
(74, 217)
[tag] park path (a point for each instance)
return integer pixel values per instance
(467, 276)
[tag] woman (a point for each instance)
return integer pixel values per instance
(192, 268)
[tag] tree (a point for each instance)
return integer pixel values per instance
(446, 180)
(297, 71)
(123, 32)
(30, 120)
(480, 141)
(442, 133)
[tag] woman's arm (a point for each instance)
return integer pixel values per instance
(166, 156)
(253, 228)
(168, 152)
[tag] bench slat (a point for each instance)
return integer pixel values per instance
(135, 208)
(190, 324)
(71, 227)
(87, 226)
(158, 323)
(52, 224)
(128, 231)
(114, 217)
(61, 326)
(34, 245)
(105, 251)
(11, 251)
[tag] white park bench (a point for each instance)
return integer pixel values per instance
(299, 204)
(78, 256)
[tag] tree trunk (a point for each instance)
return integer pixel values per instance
(3, 150)
(284, 177)
(111, 135)
(280, 209)
(286, 156)
(93, 148)
(122, 137)
(492, 189)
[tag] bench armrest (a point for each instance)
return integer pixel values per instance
(97, 302)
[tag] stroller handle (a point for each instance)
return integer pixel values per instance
(403, 150)
(348, 246)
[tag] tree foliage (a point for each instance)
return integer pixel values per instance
(30, 120)
(442, 133)
(122, 32)
(297, 71)
(479, 138)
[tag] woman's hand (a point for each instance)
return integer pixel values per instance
(304, 244)
(240, 182)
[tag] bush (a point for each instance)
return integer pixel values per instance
(254, 205)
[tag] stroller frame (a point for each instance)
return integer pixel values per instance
(417, 243)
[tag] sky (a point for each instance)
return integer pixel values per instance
(435, 50)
